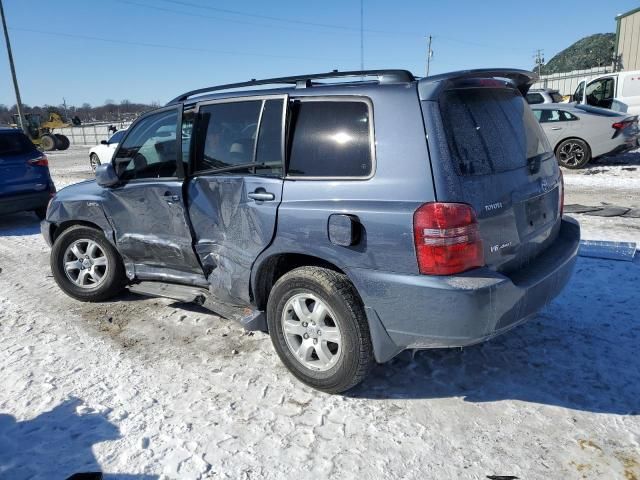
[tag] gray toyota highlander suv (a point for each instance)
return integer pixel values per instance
(352, 215)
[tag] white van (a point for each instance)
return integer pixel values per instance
(618, 91)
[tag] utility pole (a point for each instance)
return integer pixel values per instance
(21, 118)
(361, 35)
(429, 55)
(539, 59)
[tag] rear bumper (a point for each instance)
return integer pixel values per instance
(24, 202)
(419, 311)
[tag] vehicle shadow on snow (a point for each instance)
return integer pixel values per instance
(18, 224)
(56, 444)
(580, 353)
(631, 159)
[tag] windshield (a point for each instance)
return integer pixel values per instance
(116, 137)
(490, 130)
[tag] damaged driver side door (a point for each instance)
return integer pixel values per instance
(235, 188)
(146, 208)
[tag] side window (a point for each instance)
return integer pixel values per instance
(556, 97)
(534, 98)
(227, 133)
(331, 139)
(187, 131)
(548, 116)
(600, 93)
(577, 95)
(241, 133)
(149, 150)
(567, 117)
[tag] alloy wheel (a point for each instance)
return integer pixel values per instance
(311, 332)
(85, 263)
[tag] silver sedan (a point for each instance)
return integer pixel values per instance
(579, 133)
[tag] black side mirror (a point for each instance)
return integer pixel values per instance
(106, 175)
(104, 142)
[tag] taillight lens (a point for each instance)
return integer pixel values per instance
(622, 124)
(41, 161)
(447, 238)
(561, 199)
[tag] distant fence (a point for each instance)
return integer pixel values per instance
(566, 83)
(90, 134)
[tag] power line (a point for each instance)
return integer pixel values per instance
(172, 47)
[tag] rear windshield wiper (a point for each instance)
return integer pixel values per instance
(231, 168)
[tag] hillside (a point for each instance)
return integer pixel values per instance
(592, 51)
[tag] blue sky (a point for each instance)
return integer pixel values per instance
(151, 50)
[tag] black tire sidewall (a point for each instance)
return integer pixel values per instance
(112, 284)
(331, 380)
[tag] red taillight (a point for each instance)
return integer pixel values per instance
(41, 161)
(561, 186)
(447, 238)
(621, 125)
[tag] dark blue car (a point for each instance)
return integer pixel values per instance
(25, 182)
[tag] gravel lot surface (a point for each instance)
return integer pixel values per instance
(148, 388)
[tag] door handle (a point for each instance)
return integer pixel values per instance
(260, 195)
(556, 128)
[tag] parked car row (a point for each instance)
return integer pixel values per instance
(578, 133)
(25, 182)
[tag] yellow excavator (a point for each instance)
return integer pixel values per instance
(41, 133)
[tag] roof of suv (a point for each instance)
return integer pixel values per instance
(521, 79)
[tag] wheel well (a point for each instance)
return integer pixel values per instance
(56, 230)
(276, 266)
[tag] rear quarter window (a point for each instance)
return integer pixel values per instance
(490, 130)
(15, 143)
(331, 138)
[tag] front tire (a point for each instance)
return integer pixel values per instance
(48, 142)
(86, 266)
(63, 141)
(573, 153)
(319, 329)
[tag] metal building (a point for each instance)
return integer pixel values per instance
(628, 40)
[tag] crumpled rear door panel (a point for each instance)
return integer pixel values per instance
(231, 229)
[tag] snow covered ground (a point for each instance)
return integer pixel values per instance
(148, 388)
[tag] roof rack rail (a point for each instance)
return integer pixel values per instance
(303, 81)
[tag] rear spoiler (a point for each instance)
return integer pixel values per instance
(430, 88)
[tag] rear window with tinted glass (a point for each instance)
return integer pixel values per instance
(556, 97)
(331, 139)
(15, 143)
(490, 130)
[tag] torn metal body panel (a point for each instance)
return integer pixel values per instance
(150, 225)
(231, 229)
(82, 202)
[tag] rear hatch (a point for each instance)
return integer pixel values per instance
(490, 152)
(18, 174)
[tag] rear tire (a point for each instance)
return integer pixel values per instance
(573, 153)
(86, 266)
(319, 329)
(63, 141)
(94, 161)
(48, 142)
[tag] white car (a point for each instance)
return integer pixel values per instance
(102, 153)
